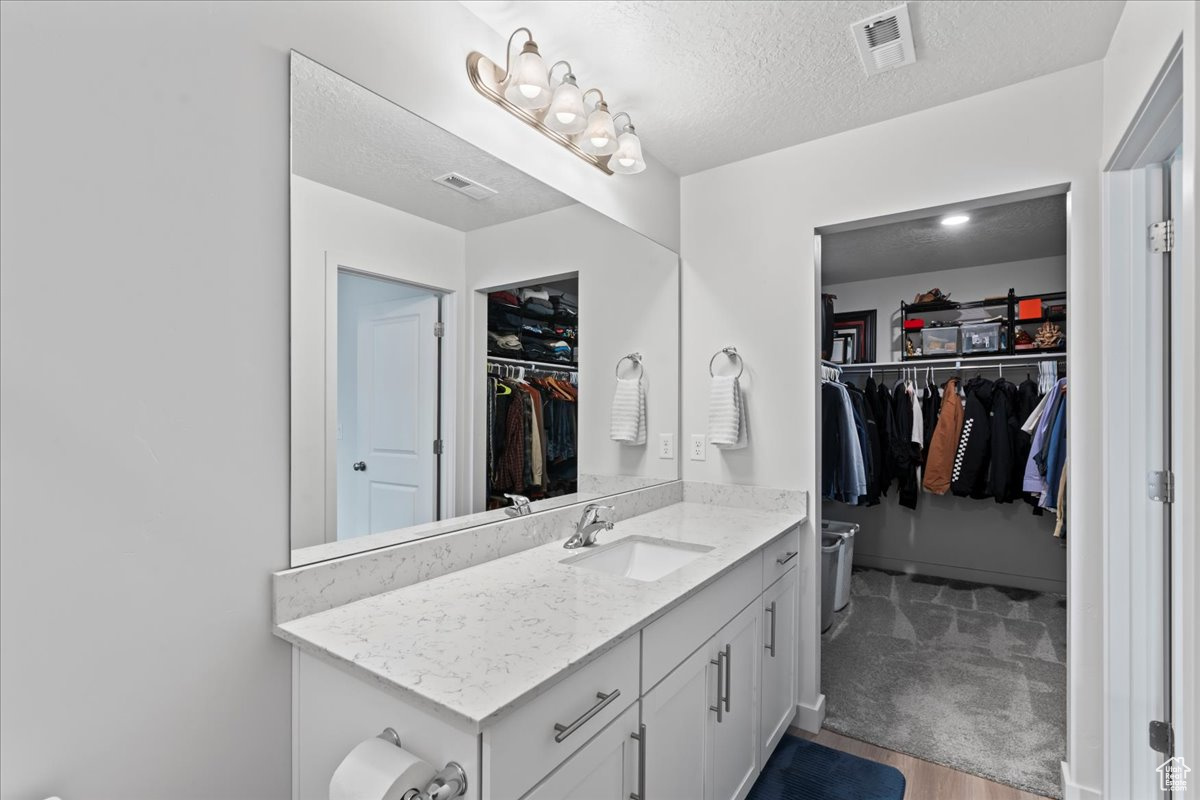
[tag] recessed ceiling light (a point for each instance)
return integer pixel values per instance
(955, 219)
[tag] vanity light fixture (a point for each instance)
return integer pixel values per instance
(956, 219)
(527, 90)
(628, 158)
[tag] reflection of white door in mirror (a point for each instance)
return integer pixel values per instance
(387, 405)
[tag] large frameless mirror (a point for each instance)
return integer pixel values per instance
(464, 337)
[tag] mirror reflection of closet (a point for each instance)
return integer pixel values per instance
(533, 391)
(399, 232)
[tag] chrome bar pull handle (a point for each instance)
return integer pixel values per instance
(786, 557)
(640, 738)
(728, 675)
(719, 662)
(563, 731)
(771, 646)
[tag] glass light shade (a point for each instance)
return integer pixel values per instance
(628, 158)
(599, 138)
(566, 114)
(528, 85)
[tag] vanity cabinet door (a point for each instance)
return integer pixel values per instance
(733, 745)
(678, 725)
(778, 661)
(606, 768)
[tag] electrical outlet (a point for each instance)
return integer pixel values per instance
(699, 447)
(666, 445)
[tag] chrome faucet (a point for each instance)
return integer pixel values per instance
(588, 526)
(520, 505)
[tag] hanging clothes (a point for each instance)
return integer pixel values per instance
(939, 463)
(905, 453)
(871, 449)
(1004, 428)
(973, 458)
(531, 437)
(885, 419)
(844, 438)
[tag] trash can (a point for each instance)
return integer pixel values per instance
(831, 545)
(846, 530)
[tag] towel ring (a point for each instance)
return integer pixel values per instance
(636, 358)
(732, 352)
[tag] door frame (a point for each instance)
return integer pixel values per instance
(447, 418)
(1132, 190)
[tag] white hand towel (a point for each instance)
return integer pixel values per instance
(726, 414)
(629, 412)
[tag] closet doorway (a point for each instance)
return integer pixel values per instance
(943, 480)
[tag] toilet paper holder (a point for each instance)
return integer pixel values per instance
(448, 783)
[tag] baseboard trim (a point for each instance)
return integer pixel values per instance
(810, 717)
(961, 573)
(1072, 790)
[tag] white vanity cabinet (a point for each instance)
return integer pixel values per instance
(606, 768)
(688, 707)
(779, 660)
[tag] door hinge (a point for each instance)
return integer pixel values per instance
(1162, 236)
(437, 447)
(439, 329)
(1162, 737)
(1160, 486)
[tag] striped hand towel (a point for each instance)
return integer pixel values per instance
(726, 414)
(629, 412)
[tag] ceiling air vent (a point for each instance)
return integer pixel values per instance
(885, 40)
(473, 190)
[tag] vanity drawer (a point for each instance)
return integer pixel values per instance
(670, 639)
(780, 555)
(521, 749)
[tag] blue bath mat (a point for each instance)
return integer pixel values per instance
(804, 770)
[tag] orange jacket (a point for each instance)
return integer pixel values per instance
(939, 465)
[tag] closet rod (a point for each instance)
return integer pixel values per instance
(552, 365)
(963, 362)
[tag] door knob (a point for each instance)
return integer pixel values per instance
(360, 466)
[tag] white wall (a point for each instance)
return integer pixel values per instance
(628, 301)
(145, 487)
(368, 236)
(963, 284)
(750, 280)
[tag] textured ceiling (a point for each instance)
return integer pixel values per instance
(710, 82)
(995, 235)
(354, 140)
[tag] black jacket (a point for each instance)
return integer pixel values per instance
(973, 459)
(880, 401)
(905, 453)
(1001, 482)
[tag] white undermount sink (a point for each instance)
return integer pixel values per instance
(639, 557)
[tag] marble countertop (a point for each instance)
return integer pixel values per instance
(474, 644)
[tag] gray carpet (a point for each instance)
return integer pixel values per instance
(961, 674)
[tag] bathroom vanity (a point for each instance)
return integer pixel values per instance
(553, 674)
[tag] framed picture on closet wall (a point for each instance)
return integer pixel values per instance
(859, 328)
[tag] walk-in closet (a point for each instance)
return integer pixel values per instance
(944, 484)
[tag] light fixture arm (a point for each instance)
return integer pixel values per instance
(625, 114)
(597, 91)
(569, 74)
(508, 51)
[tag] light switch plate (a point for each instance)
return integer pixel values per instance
(666, 445)
(699, 447)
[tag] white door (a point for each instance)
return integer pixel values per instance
(395, 467)
(606, 768)
(678, 721)
(733, 746)
(778, 662)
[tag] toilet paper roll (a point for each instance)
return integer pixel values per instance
(378, 770)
